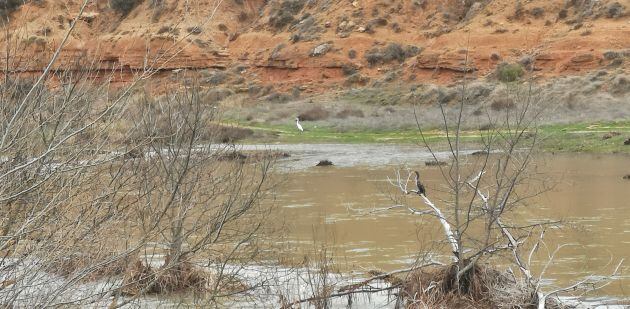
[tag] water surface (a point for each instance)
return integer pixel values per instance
(329, 207)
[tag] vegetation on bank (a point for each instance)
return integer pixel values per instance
(596, 137)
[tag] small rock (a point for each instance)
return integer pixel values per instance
(327, 24)
(610, 135)
(479, 153)
(320, 50)
(435, 163)
(355, 4)
(325, 163)
(361, 29)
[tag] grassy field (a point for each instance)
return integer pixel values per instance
(579, 137)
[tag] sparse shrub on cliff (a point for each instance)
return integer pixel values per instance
(7, 7)
(537, 12)
(349, 69)
(518, 9)
(158, 8)
(374, 23)
(216, 78)
(283, 14)
(610, 55)
(620, 85)
(374, 56)
(393, 51)
(243, 16)
(509, 72)
(615, 10)
(356, 79)
(411, 51)
(352, 54)
(123, 6)
(194, 30)
(563, 14)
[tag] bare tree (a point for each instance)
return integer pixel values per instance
(89, 190)
(481, 193)
(199, 200)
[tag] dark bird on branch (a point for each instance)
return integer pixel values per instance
(419, 185)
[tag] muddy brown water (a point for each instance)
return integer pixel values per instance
(325, 207)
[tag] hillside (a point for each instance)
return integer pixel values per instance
(317, 45)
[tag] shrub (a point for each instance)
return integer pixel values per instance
(349, 69)
(537, 12)
(509, 72)
(7, 7)
(396, 27)
(563, 14)
(242, 16)
(615, 10)
(158, 8)
(194, 30)
(501, 104)
(356, 79)
(411, 50)
(313, 114)
(611, 54)
(348, 112)
(374, 56)
(217, 78)
(229, 134)
(123, 6)
(352, 54)
(394, 51)
(282, 15)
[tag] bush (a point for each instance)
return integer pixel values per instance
(282, 15)
(537, 12)
(501, 104)
(313, 114)
(563, 14)
(509, 72)
(123, 6)
(7, 7)
(217, 78)
(374, 56)
(194, 30)
(615, 10)
(393, 51)
(349, 69)
(411, 51)
(348, 112)
(352, 54)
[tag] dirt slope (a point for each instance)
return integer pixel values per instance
(323, 44)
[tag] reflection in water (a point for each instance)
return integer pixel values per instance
(325, 205)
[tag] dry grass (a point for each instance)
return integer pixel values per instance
(141, 279)
(66, 266)
(314, 114)
(480, 287)
(349, 112)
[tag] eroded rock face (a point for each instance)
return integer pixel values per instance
(171, 38)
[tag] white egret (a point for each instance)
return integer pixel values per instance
(297, 123)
